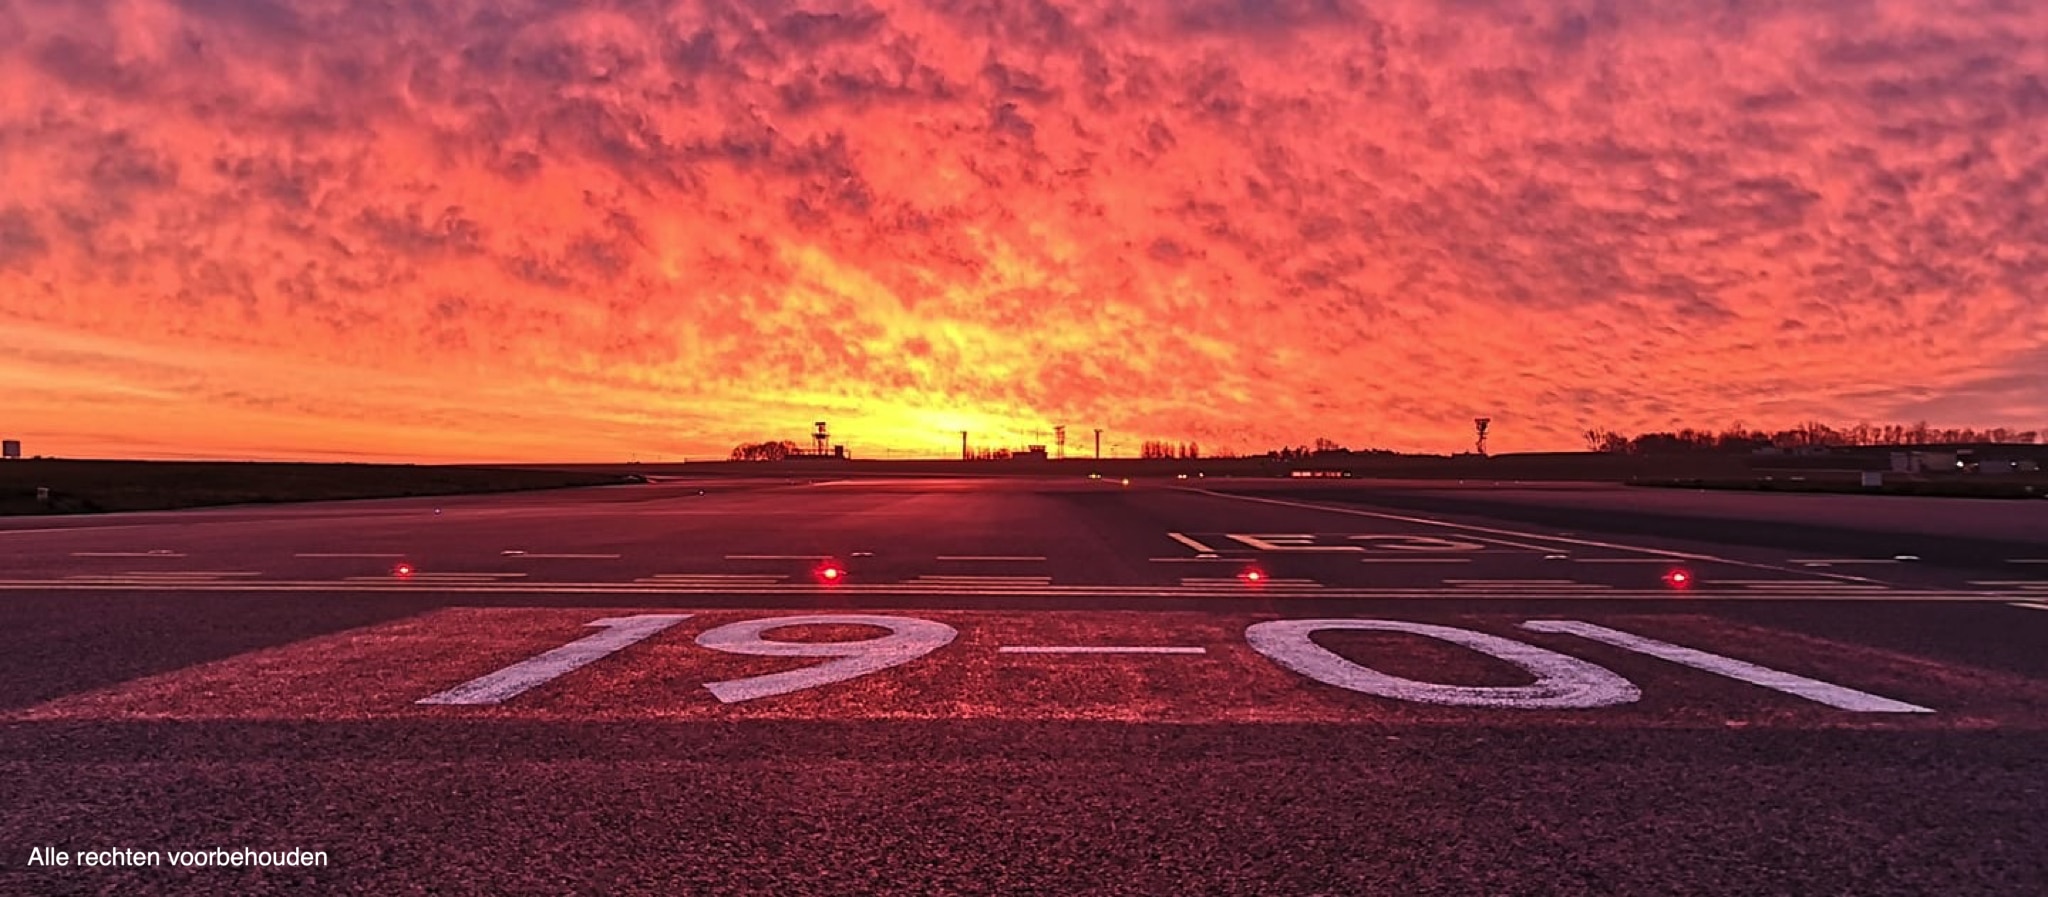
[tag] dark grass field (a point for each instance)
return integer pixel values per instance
(102, 486)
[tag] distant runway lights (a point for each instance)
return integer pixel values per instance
(404, 570)
(831, 572)
(1127, 481)
(1679, 579)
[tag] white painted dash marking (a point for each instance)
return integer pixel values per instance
(777, 557)
(568, 557)
(340, 554)
(1099, 649)
(992, 558)
(1415, 560)
(619, 633)
(1828, 562)
(1184, 540)
(1776, 680)
(1622, 560)
(2029, 605)
(126, 554)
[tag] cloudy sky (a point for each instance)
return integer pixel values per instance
(537, 229)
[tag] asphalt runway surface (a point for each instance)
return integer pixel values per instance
(1032, 686)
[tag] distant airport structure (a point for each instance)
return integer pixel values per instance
(10, 450)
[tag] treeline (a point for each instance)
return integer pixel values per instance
(1159, 448)
(1323, 447)
(764, 451)
(1807, 435)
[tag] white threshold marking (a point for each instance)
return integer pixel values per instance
(1425, 521)
(992, 558)
(619, 633)
(1099, 649)
(565, 557)
(1415, 560)
(193, 573)
(2029, 605)
(439, 577)
(1776, 680)
(338, 554)
(1512, 582)
(1237, 583)
(126, 554)
(1819, 586)
(1177, 537)
(767, 577)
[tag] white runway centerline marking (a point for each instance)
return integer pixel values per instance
(127, 554)
(1829, 562)
(991, 558)
(1099, 649)
(567, 557)
(345, 554)
(2029, 605)
(777, 557)
(1415, 560)
(1618, 560)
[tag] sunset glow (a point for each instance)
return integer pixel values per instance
(533, 230)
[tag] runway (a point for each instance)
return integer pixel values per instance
(1036, 686)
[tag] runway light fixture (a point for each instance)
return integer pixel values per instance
(1253, 575)
(404, 570)
(831, 572)
(1679, 578)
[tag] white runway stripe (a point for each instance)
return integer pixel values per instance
(991, 558)
(126, 554)
(1099, 649)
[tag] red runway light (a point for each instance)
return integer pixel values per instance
(1253, 576)
(402, 570)
(831, 573)
(1678, 579)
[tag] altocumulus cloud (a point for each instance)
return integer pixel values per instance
(535, 229)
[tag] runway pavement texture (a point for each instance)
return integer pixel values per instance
(1032, 686)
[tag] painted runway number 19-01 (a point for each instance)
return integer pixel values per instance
(1562, 682)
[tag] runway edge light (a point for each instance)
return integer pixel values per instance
(1679, 578)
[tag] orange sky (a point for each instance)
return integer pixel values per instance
(537, 230)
